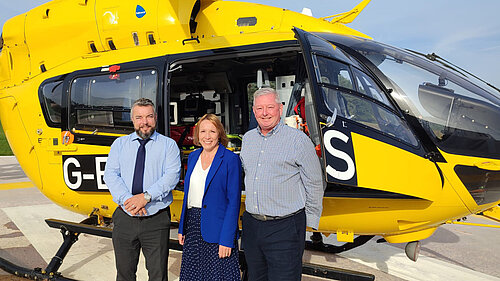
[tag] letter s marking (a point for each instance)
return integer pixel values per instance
(351, 168)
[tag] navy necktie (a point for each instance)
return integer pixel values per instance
(139, 167)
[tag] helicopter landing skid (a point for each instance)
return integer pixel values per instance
(326, 272)
(316, 244)
(71, 230)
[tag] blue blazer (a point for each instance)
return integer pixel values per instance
(221, 200)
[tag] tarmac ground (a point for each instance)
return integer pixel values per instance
(454, 252)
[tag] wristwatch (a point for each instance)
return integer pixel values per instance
(147, 196)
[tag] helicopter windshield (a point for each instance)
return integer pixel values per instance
(460, 116)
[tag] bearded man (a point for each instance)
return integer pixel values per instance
(141, 171)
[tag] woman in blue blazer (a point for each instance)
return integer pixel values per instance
(212, 197)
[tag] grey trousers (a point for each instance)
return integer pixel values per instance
(130, 234)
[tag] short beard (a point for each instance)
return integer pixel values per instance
(147, 135)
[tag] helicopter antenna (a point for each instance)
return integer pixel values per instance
(307, 12)
(446, 63)
(348, 17)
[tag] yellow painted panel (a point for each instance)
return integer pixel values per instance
(386, 167)
(481, 162)
(405, 225)
(19, 60)
(372, 216)
(22, 147)
(493, 213)
(345, 235)
(311, 24)
(117, 20)
(410, 236)
(173, 20)
(5, 69)
(492, 165)
(220, 18)
(59, 31)
(176, 207)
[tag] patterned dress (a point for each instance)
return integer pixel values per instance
(200, 260)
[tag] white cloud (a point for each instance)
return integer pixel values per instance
(453, 40)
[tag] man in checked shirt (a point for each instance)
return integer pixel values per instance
(284, 192)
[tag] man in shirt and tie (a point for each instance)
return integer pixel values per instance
(283, 188)
(141, 171)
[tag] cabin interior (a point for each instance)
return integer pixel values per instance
(224, 85)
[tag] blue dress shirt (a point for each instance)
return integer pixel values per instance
(161, 170)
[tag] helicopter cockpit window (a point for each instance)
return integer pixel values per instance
(461, 117)
(102, 103)
(358, 109)
(51, 95)
(341, 94)
(367, 86)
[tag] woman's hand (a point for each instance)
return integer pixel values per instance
(181, 239)
(224, 251)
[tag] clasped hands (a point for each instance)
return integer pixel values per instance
(224, 251)
(135, 205)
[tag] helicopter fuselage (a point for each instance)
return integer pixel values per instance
(400, 157)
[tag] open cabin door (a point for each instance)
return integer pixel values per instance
(367, 147)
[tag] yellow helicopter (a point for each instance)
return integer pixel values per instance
(406, 140)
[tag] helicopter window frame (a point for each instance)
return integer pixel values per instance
(49, 106)
(397, 129)
(369, 85)
(355, 87)
(109, 119)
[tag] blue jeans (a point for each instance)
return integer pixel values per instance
(273, 249)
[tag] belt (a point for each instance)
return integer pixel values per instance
(272, 218)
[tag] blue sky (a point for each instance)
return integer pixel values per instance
(464, 32)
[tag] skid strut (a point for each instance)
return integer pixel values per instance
(70, 232)
(69, 238)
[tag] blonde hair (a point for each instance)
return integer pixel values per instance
(218, 125)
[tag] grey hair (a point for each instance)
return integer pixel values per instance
(266, 91)
(142, 102)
